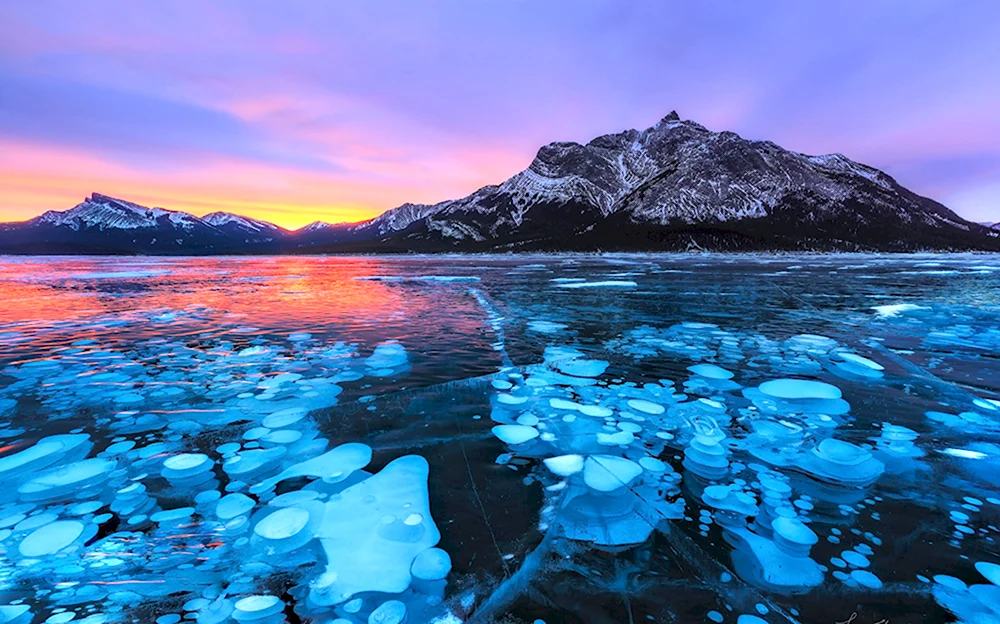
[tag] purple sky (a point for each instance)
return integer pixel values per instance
(337, 110)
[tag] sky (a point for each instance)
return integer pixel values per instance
(337, 110)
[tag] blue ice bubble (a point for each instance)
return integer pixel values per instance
(646, 407)
(715, 616)
(711, 371)
(564, 465)
(432, 564)
(855, 559)
(990, 571)
(515, 434)
(51, 538)
(867, 579)
(861, 361)
(582, 368)
(387, 355)
(257, 607)
(949, 581)
(606, 473)
(172, 515)
(795, 389)
(284, 418)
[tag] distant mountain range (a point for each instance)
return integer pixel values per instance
(674, 186)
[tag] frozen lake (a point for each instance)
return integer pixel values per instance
(688, 438)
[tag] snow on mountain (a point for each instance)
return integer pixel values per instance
(103, 212)
(255, 226)
(315, 226)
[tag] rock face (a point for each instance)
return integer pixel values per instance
(674, 186)
(678, 185)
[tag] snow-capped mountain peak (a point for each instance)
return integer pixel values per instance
(104, 212)
(315, 226)
(247, 224)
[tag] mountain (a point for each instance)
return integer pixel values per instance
(250, 230)
(316, 226)
(990, 224)
(674, 186)
(103, 224)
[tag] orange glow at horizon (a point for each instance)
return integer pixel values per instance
(36, 178)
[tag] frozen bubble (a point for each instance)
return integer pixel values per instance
(792, 532)
(710, 371)
(861, 361)
(75, 476)
(615, 439)
(185, 465)
(282, 524)
(581, 368)
(413, 519)
(949, 581)
(257, 607)
(652, 464)
(283, 436)
(794, 389)
(353, 606)
(431, 565)
(564, 465)
(746, 618)
(389, 612)
(172, 515)
(51, 538)
(545, 327)
(714, 616)
(563, 404)
(964, 453)
(44, 453)
(333, 466)
(234, 505)
(646, 407)
(855, 559)
(284, 418)
(606, 473)
(866, 579)
(364, 555)
(387, 355)
(228, 448)
(990, 571)
(515, 434)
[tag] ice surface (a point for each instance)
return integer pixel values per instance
(171, 461)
